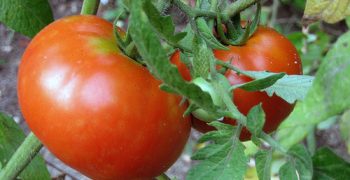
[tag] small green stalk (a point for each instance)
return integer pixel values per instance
(273, 143)
(311, 141)
(21, 158)
(237, 7)
(90, 7)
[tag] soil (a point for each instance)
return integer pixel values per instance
(12, 46)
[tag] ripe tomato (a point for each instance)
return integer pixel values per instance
(266, 50)
(94, 108)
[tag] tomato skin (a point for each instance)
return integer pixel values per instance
(265, 50)
(94, 108)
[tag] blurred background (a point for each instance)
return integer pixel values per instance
(312, 43)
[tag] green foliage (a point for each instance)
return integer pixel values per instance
(327, 97)
(25, 16)
(207, 34)
(262, 83)
(329, 166)
(299, 164)
(263, 160)
(330, 11)
(163, 24)
(289, 87)
(223, 159)
(11, 136)
(256, 120)
(157, 60)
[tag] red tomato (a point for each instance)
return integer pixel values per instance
(94, 108)
(266, 50)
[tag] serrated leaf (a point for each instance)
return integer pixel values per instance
(289, 87)
(156, 59)
(256, 120)
(223, 133)
(263, 161)
(228, 161)
(207, 34)
(163, 24)
(26, 16)
(223, 158)
(328, 96)
(330, 11)
(11, 137)
(327, 165)
(303, 161)
(288, 172)
(262, 83)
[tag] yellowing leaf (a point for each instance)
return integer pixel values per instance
(330, 11)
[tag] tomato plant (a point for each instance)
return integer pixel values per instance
(266, 50)
(93, 107)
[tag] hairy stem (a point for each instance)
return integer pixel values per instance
(90, 7)
(273, 143)
(21, 158)
(237, 7)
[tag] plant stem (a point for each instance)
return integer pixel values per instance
(234, 112)
(311, 141)
(273, 143)
(230, 66)
(90, 7)
(21, 158)
(237, 7)
(275, 5)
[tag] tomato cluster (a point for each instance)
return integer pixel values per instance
(266, 50)
(104, 114)
(94, 108)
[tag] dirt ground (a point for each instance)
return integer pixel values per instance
(12, 46)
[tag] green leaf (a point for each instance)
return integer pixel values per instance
(26, 16)
(263, 161)
(11, 136)
(289, 87)
(344, 127)
(302, 160)
(223, 159)
(163, 24)
(262, 83)
(328, 96)
(207, 34)
(347, 20)
(330, 11)
(256, 120)
(329, 166)
(156, 59)
(288, 172)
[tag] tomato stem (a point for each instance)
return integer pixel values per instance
(311, 141)
(273, 143)
(236, 8)
(234, 112)
(21, 158)
(90, 7)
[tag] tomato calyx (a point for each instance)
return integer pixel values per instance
(232, 32)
